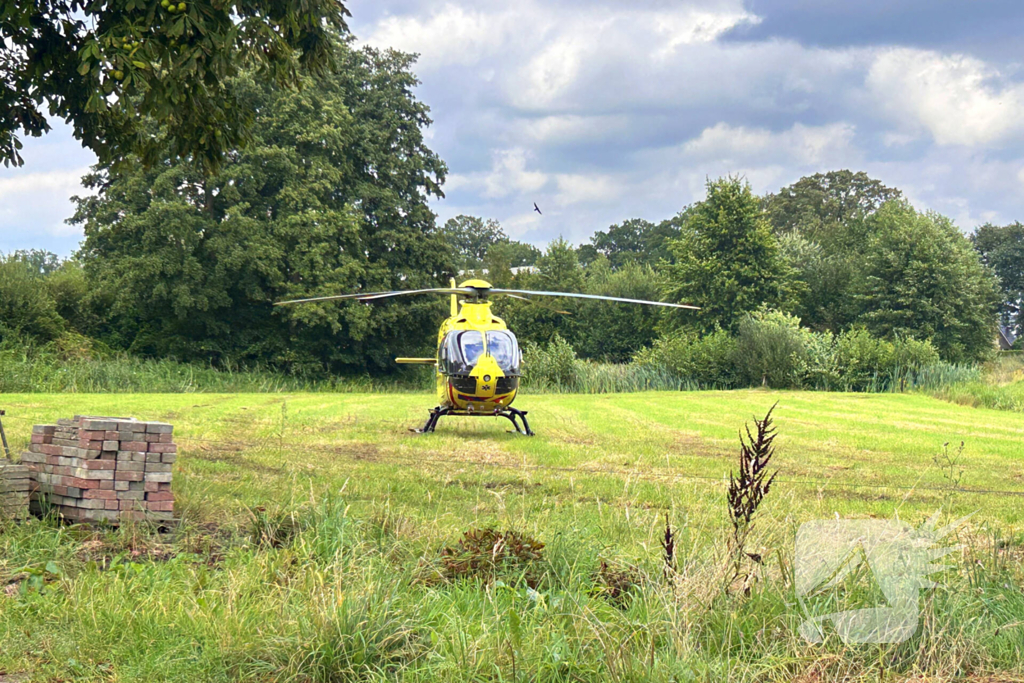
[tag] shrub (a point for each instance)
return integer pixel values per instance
(26, 309)
(864, 359)
(770, 349)
(550, 366)
(705, 361)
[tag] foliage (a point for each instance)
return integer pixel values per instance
(552, 364)
(1002, 249)
(829, 209)
(193, 264)
(726, 259)
(770, 348)
(923, 280)
(614, 332)
(487, 554)
(112, 68)
(26, 308)
(707, 361)
(633, 241)
(470, 238)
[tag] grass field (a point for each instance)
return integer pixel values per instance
(311, 546)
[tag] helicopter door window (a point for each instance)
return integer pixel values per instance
(503, 347)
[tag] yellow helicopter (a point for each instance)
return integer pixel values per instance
(478, 359)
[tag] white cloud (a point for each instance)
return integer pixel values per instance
(450, 34)
(508, 176)
(801, 144)
(956, 98)
(40, 200)
(574, 188)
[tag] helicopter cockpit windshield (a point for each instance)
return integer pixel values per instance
(502, 345)
(461, 350)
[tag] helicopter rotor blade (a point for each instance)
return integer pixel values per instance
(538, 303)
(369, 296)
(593, 296)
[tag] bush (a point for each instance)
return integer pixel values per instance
(552, 365)
(770, 349)
(26, 309)
(705, 361)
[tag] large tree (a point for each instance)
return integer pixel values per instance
(726, 259)
(330, 197)
(922, 279)
(1002, 249)
(821, 221)
(633, 241)
(108, 67)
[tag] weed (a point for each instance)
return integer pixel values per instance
(487, 554)
(748, 489)
(616, 583)
(668, 547)
(272, 529)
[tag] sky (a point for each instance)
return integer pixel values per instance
(602, 110)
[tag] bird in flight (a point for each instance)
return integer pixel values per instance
(537, 209)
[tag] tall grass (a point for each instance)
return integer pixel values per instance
(330, 607)
(24, 370)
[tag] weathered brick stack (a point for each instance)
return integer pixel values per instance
(104, 469)
(15, 485)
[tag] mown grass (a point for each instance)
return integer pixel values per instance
(347, 588)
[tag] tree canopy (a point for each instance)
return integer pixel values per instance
(1002, 249)
(329, 197)
(726, 259)
(144, 78)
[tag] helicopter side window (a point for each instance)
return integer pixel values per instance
(503, 347)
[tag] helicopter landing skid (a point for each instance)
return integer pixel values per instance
(508, 413)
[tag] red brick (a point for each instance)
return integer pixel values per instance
(160, 496)
(167, 438)
(107, 485)
(82, 483)
(152, 486)
(123, 475)
(91, 435)
(111, 436)
(163, 448)
(99, 494)
(100, 464)
(161, 506)
(138, 446)
(39, 438)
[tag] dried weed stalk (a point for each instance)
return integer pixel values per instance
(748, 488)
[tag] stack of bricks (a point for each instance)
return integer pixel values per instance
(94, 469)
(15, 485)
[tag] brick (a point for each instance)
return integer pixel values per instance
(158, 467)
(131, 467)
(111, 435)
(152, 457)
(137, 486)
(138, 446)
(121, 485)
(97, 475)
(99, 494)
(100, 464)
(159, 477)
(167, 438)
(152, 486)
(135, 495)
(107, 485)
(161, 506)
(112, 445)
(159, 428)
(98, 425)
(168, 458)
(125, 475)
(163, 448)
(43, 429)
(39, 438)
(160, 496)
